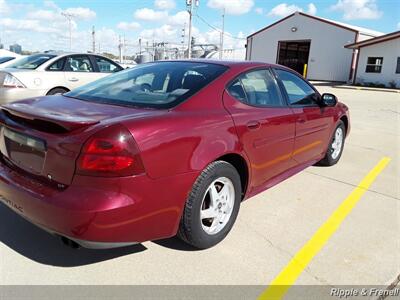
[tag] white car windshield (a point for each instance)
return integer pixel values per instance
(31, 62)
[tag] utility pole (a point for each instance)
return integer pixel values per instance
(191, 5)
(93, 40)
(69, 17)
(120, 49)
(183, 39)
(124, 49)
(222, 34)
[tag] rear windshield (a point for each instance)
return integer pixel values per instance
(31, 62)
(6, 59)
(154, 85)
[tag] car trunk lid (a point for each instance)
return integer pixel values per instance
(44, 136)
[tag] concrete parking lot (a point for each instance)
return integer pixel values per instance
(271, 228)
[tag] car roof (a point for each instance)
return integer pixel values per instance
(228, 63)
(61, 53)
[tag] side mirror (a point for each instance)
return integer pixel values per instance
(328, 100)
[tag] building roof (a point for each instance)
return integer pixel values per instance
(361, 30)
(375, 40)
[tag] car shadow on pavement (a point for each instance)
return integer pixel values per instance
(175, 244)
(42, 247)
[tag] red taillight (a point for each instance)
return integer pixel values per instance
(111, 152)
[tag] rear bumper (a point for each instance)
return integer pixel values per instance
(99, 213)
(8, 95)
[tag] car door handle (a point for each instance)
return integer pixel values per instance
(253, 125)
(73, 79)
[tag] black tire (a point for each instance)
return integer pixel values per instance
(328, 160)
(191, 230)
(56, 91)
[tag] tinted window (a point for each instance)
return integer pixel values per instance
(237, 91)
(106, 66)
(57, 66)
(398, 66)
(5, 59)
(31, 62)
(299, 92)
(158, 85)
(78, 63)
(257, 88)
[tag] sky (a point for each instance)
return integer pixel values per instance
(39, 25)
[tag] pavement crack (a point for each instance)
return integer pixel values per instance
(363, 147)
(317, 278)
(290, 255)
(351, 184)
(390, 110)
(270, 242)
(391, 286)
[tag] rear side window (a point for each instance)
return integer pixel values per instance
(237, 91)
(57, 66)
(256, 88)
(299, 92)
(155, 85)
(78, 63)
(106, 66)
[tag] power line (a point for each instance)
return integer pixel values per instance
(69, 17)
(191, 6)
(217, 29)
(222, 35)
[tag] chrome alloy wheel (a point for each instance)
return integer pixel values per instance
(217, 205)
(337, 143)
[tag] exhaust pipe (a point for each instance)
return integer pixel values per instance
(70, 243)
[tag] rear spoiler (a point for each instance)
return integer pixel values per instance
(68, 122)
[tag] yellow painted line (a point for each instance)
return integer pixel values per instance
(288, 276)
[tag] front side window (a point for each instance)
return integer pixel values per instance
(256, 88)
(31, 62)
(78, 63)
(299, 92)
(154, 85)
(374, 65)
(398, 66)
(106, 66)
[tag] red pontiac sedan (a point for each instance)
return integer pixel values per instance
(163, 149)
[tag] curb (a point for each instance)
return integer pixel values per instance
(360, 88)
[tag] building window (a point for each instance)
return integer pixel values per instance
(374, 65)
(398, 66)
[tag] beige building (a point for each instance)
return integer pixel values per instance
(378, 60)
(310, 45)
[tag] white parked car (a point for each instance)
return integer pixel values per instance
(7, 58)
(6, 61)
(51, 74)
